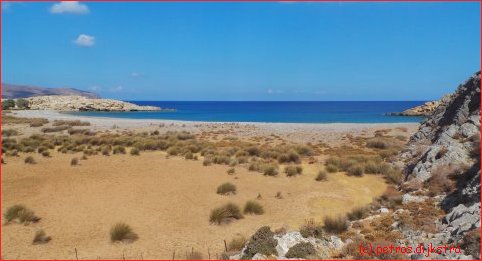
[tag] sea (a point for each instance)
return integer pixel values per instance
(272, 111)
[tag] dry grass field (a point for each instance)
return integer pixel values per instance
(167, 202)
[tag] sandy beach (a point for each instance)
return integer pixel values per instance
(329, 133)
(167, 199)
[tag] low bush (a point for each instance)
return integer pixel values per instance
(54, 129)
(119, 150)
(291, 157)
(74, 162)
(322, 176)
(20, 213)
(9, 132)
(261, 242)
(122, 232)
(135, 152)
(270, 170)
(231, 171)
(331, 168)
(358, 213)
(301, 250)
(30, 160)
(237, 243)
(40, 237)
(377, 143)
(356, 170)
(293, 170)
(70, 123)
(311, 229)
(335, 225)
(226, 189)
(253, 207)
(207, 161)
(46, 153)
(225, 214)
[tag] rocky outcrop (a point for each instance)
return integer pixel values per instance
(12, 91)
(447, 137)
(449, 142)
(79, 103)
(425, 109)
(324, 248)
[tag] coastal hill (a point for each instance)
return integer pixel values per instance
(12, 91)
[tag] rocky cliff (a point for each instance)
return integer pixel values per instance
(79, 103)
(12, 91)
(446, 151)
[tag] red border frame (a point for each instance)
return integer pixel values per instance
(376, 1)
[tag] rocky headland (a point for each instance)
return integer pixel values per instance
(425, 109)
(81, 103)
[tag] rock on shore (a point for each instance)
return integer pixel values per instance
(425, 109)
(80, 103)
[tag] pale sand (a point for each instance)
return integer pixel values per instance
(166, 201)
(330, 133)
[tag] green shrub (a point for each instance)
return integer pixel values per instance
(21, 213)
(292, 156)
(46, 153)
(119, 150)
(40, 237)
(293, 170)
(231, 171)
(301, 250)
(226, 189)
(225, 214)
(134, 152)
(30, 160)
(189, 155)
(54, 129)
(311, 229)
(335, 225)
(322, 176)
(173, 151)
(270, 170)
(356, 170)
(253, 207)
(262, 242)
(22, 104)
(122, 232)
(8, 104)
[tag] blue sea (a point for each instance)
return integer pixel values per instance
(286, 112)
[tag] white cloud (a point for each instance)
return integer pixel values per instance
(70, 7)
(94, 88)
(85, 40)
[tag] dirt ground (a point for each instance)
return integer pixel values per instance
(167, 202)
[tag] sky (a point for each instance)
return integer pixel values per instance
(276, 51)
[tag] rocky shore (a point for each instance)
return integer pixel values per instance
(80, 103)
(425, 109)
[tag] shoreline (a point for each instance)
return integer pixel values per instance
(329, 133)
(60, 115)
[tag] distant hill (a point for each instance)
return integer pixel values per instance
(12, 91)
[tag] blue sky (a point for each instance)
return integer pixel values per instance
(243, 51)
